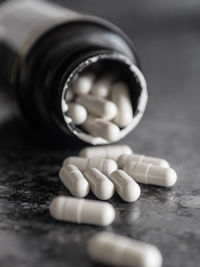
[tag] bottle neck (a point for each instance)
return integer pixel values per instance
(89, 58)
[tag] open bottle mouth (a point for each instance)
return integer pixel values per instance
(123, 70)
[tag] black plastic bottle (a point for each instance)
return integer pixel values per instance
(43, 46)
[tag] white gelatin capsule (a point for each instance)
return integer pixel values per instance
(77, 113)
(74, 180)
(151, 174)
(70, 95)
(98, 106)
(120, 96)
(107, 166)
(100, 185)
(125, 186)
(101, 128)
(101, 87)
(83, 83)
(77, 210)
(111, 152)
(116, 250)
(123, 159)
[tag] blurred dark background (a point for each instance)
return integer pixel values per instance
(167, 38)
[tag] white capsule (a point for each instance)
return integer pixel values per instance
(76, 210)
(123, 159)
(77, 113)
(69, 95)
(83, 83)
(100, 185)
(74, 180)
(107, 166)
(120, 96)
(125, 186)
(116, 250)
(151, 174)
(101, 87)
(101, 128)
(98, 106)
(110, 151)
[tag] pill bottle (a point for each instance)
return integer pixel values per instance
(43, 46)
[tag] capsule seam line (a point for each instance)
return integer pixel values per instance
(146, 173)
(63, 209)
(79, 211)
(104, 161)
(141, 158)
(120, 255)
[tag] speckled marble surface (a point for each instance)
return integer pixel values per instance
(167, 37)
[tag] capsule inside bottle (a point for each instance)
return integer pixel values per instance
(125, 87)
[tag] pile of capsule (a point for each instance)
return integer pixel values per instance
(100, 106)
(104, 170)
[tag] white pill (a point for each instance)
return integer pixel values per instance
(74, 180)
(98, 106)
(69, 95)
(77, 113)
(83, 83)
(101, 128)
(77, 210)
(151, 174)
(101, 87)
(107, 166)
(111, 152)
(123, 159)
(120, 96)
(125, 186)
(116, 250)
(100, 185)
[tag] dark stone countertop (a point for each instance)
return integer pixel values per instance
(167, 37)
